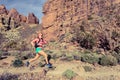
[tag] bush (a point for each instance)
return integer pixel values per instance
(69, 58)
(22, 46)
(116, 55)
(69, 74)
(108, 60)
(17, 63)
(88, 41)
(11, 39)
(11, 44)
(85, 40)
(104, 42)
(8, 76)
(24, 55)
(117, 49)
(90, 58)
(41, 64)
(17, 45)
(12, 35)
(87, 68)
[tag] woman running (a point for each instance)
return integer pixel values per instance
(38, 44)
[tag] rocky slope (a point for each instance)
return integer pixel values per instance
(12, 17)
(100, 17)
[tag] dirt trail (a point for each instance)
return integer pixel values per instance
(76, 66)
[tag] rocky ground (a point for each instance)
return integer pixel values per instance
(36, 72)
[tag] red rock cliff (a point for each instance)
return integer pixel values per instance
(59, 14)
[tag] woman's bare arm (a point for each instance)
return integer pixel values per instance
(33, 41)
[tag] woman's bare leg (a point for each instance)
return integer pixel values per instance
(35, 58)
(45, 55)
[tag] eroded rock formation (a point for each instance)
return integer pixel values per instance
(3, 10)
(98, 16)
(14, 14)
(32, 19)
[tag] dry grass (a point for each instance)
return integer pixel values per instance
(98, 72)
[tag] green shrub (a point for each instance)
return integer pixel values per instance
(12, 35)
(87, 68)
(85, 40)
(22, 46)
(88, 41)
(23, 55)
(69, 57)
(108, 61)
(104, 41)
(117, 50)
(57, 55)
(17, 45)
(69, 74)
(17, 63)
(41, 64)
(116, 55)
(90, 58)
(11, 44)
(11, 38)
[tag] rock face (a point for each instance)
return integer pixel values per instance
(69, 12)
(23, 18)
(61, 16)
(32, 19)
(13, 13)
(3, 10)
